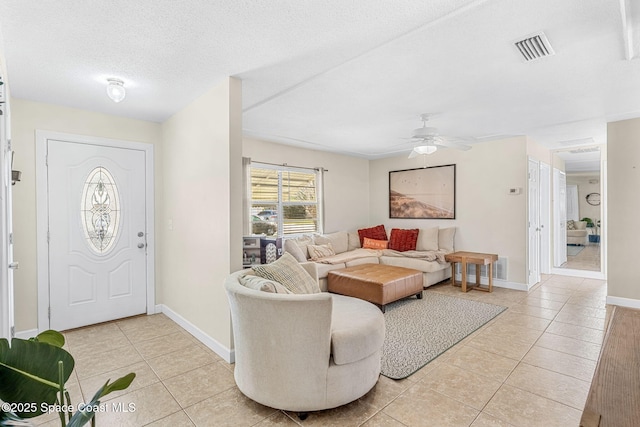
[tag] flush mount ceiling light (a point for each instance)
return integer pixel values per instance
(115, 90)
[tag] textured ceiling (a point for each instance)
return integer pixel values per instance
(349, 77)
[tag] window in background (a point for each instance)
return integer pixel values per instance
(284, 200)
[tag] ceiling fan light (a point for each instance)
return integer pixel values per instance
(425, 149)
(115, 90)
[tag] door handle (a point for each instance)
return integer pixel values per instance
(14, 265)
(141, 245)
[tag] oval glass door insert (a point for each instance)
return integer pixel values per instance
(100, 210)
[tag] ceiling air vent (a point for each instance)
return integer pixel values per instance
(535, 47)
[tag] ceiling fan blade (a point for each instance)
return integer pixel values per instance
(441, 142)
(413, 154)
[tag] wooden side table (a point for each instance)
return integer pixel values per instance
(476, 258)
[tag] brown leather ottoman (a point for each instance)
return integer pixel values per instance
(377, 283)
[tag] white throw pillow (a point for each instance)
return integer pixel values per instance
(446, 238)
(339, 241)
(289, 274)
(354, 240)
(291, 247)
(428, 239)
(317, 252)
(261, 284)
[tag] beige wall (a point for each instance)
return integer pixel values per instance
(623, 198)
(26, 117)
(346, 184)
(487, 217)
(199, 225)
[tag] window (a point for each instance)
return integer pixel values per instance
(100, 210)
(284, 200)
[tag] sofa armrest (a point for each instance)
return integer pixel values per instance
(311, 268)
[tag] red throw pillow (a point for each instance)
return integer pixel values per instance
(403, 240)
(376, 233)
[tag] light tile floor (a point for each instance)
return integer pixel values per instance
(587, 259)
(531, 366)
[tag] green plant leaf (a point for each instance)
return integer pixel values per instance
(119, 384)
(11, 419)
(29, 373)
(50, 336)
(85, 414)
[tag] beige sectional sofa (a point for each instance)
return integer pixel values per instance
(432, 244)
(577, 233)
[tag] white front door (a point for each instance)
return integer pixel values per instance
(97, 233)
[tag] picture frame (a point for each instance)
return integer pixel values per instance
(423, 193)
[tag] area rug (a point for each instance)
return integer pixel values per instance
(573, 250)
(418, 331)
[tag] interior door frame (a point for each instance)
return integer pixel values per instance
(42, 203)
(533, 221)
(545, 218)
(7, 309)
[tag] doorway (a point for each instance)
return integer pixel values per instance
(95, 230)
(584, 222)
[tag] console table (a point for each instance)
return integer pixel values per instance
(476, 258)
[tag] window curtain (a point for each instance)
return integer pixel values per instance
(246, 196)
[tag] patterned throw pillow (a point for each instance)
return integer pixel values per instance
(375, 244)
(289, 274)
(261, 284)
(571, 225)
(320, 251)
(377, 233)
(403, 240)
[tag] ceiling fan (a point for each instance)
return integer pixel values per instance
(428, 140)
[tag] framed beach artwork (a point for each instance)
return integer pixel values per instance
(425, 193)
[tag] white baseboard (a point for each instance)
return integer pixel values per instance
(586, 274)
(221, 350)
(496, 283)
(25, 335)
(623, 302)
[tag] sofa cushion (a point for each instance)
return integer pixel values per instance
(427, 239)
(403, 240)
(354, 241)
(289, 273)
(414, 263)
(377, 233)
(301, 242)
(357, 329)
(320, 251)
(375, 244)
(261, 284)
(338, 240)
(571, 225)
(291, 247)
(446, 239)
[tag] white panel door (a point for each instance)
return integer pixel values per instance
(97, 246)
(534, 222)
(560, 217)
